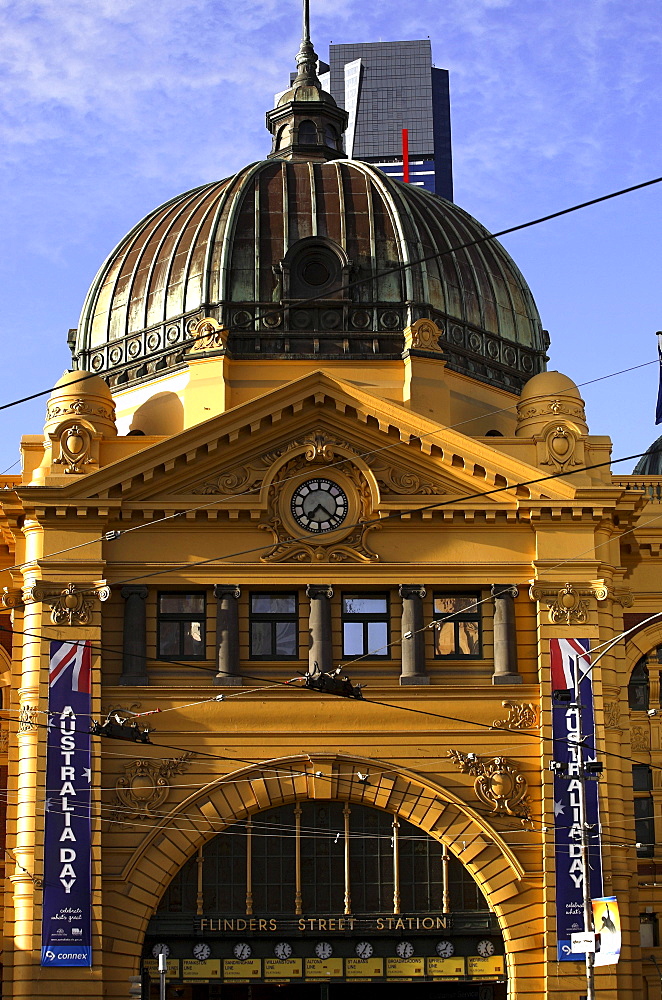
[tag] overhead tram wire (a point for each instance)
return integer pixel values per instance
(404, 266)
(110, 536)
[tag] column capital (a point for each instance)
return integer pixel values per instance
(137, 591)
(503, 590)
(317, 590)
(222, 590)
(409, 590)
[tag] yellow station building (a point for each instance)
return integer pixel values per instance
(309, 425)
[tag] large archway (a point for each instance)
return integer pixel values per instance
(334, 779)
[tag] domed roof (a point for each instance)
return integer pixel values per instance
(650, 463)
(249, 251)
(550, 384)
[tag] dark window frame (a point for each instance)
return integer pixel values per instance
(274, 618)
(366, 618)
(183, 618)
(472, 615)
(644, 810)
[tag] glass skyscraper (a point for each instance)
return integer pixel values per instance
(388, 86)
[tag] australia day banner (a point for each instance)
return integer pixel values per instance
(567, 820)
(66, 936)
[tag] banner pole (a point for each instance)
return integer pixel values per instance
(586, 869)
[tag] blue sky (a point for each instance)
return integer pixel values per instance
(110, 107)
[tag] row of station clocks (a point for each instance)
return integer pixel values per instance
(242, 950)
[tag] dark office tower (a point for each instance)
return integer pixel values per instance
(388, 86)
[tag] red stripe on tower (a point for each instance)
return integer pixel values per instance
(405, 155)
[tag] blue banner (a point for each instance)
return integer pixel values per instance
(66, 935)
(567, 820)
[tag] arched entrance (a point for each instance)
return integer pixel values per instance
(320, 899)
(133, 897)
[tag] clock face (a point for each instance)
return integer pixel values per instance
(364, 949)
(319, 505)
(485, 948)
(282, 950)
(201, 951)
(323, 949)
(445, 949)
(404, 949)
(160, 949)
(242, 951)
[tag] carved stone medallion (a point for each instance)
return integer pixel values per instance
(499, 784)
(145, 786)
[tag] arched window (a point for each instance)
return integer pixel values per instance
(331, 137)
(428, 877)
(308, 133)
(639, 687)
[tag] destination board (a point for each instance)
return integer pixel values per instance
(323, 968)
(151, 965)
(481, 967)
(446, 968)
(210, 968)
(288, 968)
(250, 969)
(409, 967)
(364, 968)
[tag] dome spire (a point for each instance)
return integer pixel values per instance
(307, 124)
(306, 56)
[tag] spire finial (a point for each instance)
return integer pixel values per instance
(306, 56)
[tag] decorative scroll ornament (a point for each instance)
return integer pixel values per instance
(562, 447)
(80, 407)
(566, 606)
(73, 605)
(499, 784)
(612, 715)
(519, 716)
(75, 442)
(640, 738)
(423, 335)
(145, 786)
(27, 718)
(208, 335)
(12, 598)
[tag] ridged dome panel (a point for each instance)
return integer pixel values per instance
(222, 250)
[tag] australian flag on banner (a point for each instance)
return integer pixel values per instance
(66, 938)
(566, 655)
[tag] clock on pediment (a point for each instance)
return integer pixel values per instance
(319, 504)
(319, 513)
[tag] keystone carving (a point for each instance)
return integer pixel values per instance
(145, 786)
(519, 716)
(566, 606)
(499, 784)
(73, 605)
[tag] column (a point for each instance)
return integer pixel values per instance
(319, 626)
(413, 638)
(134, 655)
(505, 638)
(227, 634)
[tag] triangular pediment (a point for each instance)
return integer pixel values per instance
(410, 456)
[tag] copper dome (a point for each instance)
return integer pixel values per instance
(251, 249)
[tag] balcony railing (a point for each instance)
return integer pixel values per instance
(651, 485)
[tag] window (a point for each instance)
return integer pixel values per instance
(308, 133)
(274, 627)
(365, 622)
(181, 626)
(644, 821)
(639, 687)
(648, 930)
(458, 632)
